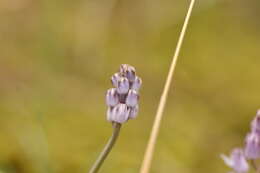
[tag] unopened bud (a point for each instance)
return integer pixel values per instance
(112, 97)
(236, 161)
(136, 85)
(123, 68)
(115, 78)
(119, 113)
(132, 98)
(128, 71)
(123, 85)
(133, 112)
(252, 148)
(255, 125)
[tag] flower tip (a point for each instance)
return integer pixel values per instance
(255, 124)
(128, 71)
(258, 112)
(227, 160)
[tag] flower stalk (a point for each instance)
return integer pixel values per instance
(253, 164)
(108, 147)
(122, 102)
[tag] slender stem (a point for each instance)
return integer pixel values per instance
(254, 165)
(107, 149)
(145, 167)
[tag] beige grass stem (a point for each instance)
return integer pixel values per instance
(145, 167)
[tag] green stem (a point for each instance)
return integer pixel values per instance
(107, 148)
(254, 165)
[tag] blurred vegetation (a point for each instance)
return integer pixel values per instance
(57, 58)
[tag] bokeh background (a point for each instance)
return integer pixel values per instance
(56, 59)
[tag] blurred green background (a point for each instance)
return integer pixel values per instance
(56, 59)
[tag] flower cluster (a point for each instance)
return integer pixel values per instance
(238, 158)
(122, 101)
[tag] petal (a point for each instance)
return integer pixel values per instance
(227, 160)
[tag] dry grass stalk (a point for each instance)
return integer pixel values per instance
(156, 126)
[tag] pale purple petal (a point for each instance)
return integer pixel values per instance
(136, 85)
(255, 125)
(115, 78)
(227, 160)
(252, 148)
(112, 97)
(132, 98)
(123, 86)
(133, 112)
(237, 161)
(119, 113)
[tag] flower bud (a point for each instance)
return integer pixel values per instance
(255, 125)
(119, 113)
(115, 78)
(133, 112)
(236, 161)
(132, 98)
(123, 85)
(112, 97)
(252, 148)
(123, 68)
(128, 71)
(136, 85)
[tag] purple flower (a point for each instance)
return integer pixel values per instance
(115, 78)
(112, 97)
(122, 100)
(133, 112)
(255, 125)
(252, 148)
(119, 113)
(123, 85)
(128, 71)
(132, 98)
(136, 84)
(236, 161)
(123, 68)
